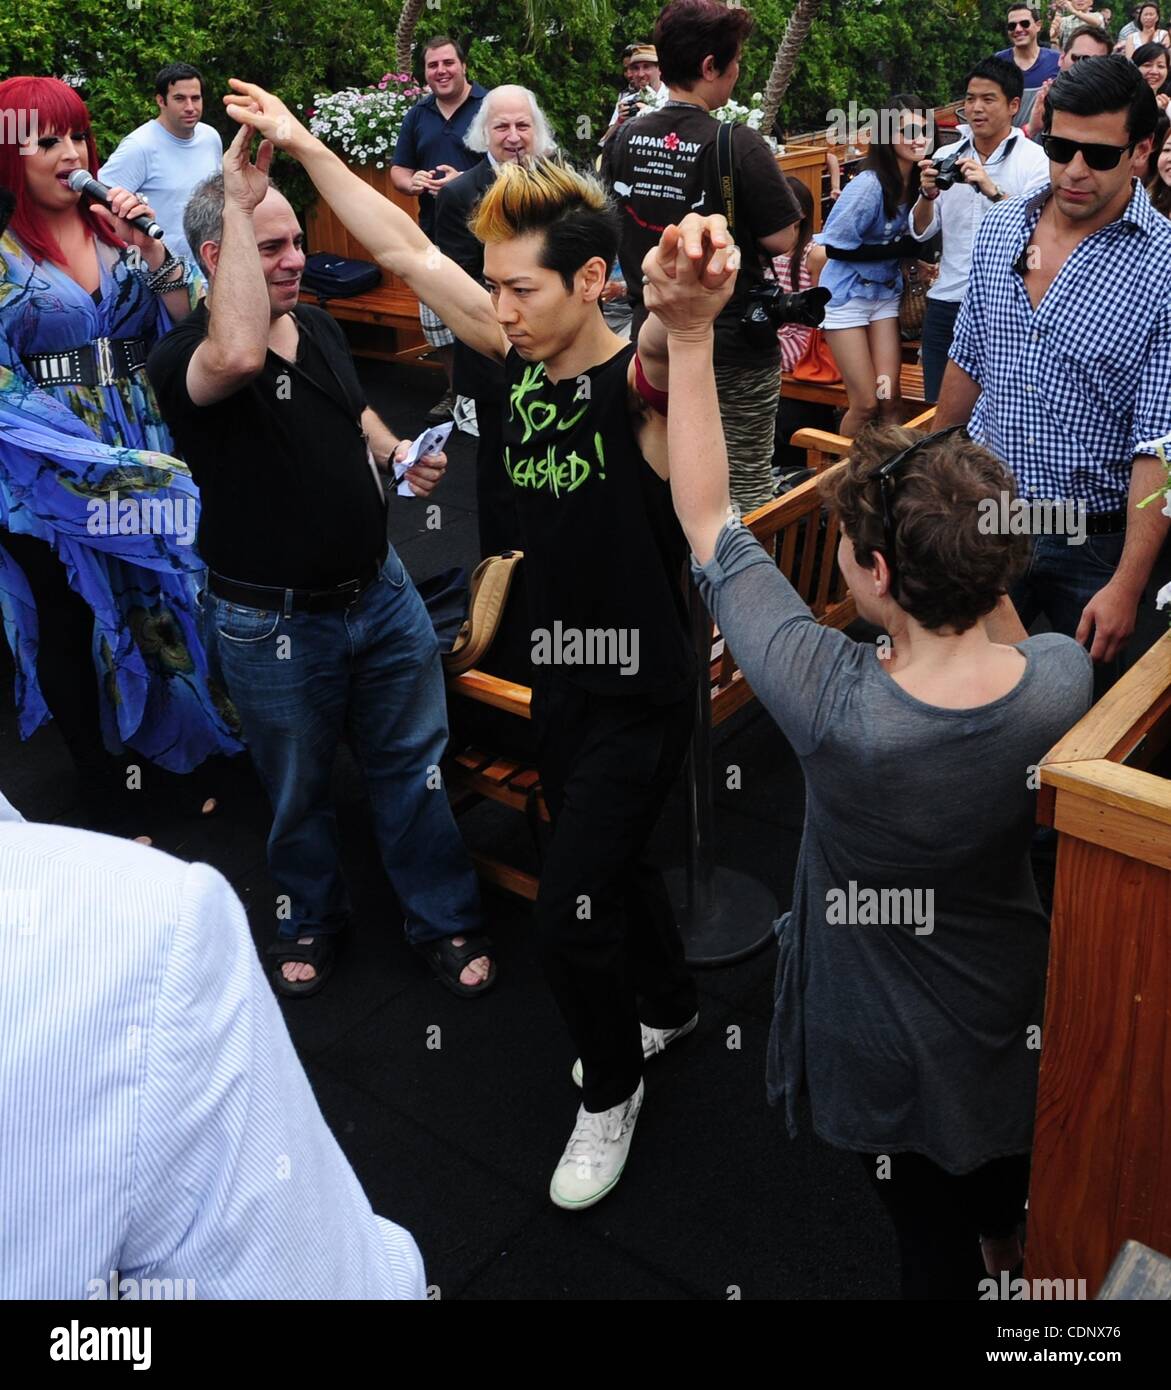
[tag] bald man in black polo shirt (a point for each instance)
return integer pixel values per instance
(315, 622)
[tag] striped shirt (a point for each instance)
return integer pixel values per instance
(1070, 391)
(158, 1136)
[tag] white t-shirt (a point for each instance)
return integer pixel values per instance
(164, 170)
(1017, 165)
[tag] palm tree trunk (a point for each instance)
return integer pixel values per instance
(404, 34)
(796, 32)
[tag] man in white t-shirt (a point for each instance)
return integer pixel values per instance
(163, 160)
(992, 162)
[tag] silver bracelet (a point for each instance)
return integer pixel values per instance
(156, 280)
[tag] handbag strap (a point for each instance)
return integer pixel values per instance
(724, 170)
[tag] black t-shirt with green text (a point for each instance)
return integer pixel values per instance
(662, 166)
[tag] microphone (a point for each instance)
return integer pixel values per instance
(81, 182)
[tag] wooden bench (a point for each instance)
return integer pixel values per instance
(791, 530)
(910, 387)
(391, 308)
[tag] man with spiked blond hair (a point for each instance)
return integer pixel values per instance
(585, 451)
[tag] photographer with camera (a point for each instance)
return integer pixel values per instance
(991, 162)
(668, 163)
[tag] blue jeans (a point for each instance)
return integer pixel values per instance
(372, 670)
(938, 330)
(1059, 582)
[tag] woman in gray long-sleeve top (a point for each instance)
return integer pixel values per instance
(910, 981)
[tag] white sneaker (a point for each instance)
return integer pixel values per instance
(654, 1040)
(595, 1155)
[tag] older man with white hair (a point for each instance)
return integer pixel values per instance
(509, 128)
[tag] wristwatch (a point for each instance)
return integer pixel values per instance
(998, 196)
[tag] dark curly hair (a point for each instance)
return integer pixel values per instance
(951, 573)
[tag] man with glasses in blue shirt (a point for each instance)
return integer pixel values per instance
(1061, 361)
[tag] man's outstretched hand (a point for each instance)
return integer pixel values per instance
(252, 105)
(690, 275)
(245, 183)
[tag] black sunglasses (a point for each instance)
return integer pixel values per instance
(1100, 157)
(888, 482)
(1018, 24)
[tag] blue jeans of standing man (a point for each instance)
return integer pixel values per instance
(1059, 582)
(373, 671)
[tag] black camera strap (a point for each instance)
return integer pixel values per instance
(905, 248)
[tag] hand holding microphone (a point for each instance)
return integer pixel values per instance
(121, 204)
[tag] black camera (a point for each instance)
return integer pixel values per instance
(945, 171)
(769, 306)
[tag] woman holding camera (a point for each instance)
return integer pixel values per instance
(862, 318)
(97, 522)
(910, 983)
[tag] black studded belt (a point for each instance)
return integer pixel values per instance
(100, 363)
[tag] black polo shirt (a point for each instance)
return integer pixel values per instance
(289, 497)
(428, 139)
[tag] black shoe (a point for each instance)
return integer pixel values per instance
(443, 409)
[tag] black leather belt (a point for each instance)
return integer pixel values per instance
(100, 363)
(273, 600)
(1106, 523)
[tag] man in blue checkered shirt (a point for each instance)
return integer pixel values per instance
(1061, 360)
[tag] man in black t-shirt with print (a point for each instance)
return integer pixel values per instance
(585, 449)
(663, 166)
(313, 620)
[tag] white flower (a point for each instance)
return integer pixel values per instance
(1163, 597)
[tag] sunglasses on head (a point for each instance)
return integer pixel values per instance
(1019, 24)
(888, 483)
(1099, 157)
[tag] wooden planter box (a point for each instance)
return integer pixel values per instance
(1102, 1146)
(383, 323)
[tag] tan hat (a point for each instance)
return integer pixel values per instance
(644, 53)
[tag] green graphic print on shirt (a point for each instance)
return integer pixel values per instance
(549, 468)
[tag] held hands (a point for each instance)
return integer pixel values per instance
(690, 275)
(245, 184)
(427, 471)
(253, 106)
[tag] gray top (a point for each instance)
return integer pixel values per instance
(909, 1027)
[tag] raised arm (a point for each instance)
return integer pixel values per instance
(391, 237)
(688, 281)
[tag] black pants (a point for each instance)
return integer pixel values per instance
(939, 1218)
(607, 934)
(65, 664)
(495, 494)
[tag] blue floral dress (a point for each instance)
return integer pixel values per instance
(73, 454)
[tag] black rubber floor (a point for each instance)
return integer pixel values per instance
(457, 1142)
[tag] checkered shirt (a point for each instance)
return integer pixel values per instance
(1070, 391)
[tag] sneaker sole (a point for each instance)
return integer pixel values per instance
(567, 1205)
(683, 1032)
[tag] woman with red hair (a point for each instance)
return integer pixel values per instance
(98, 574)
